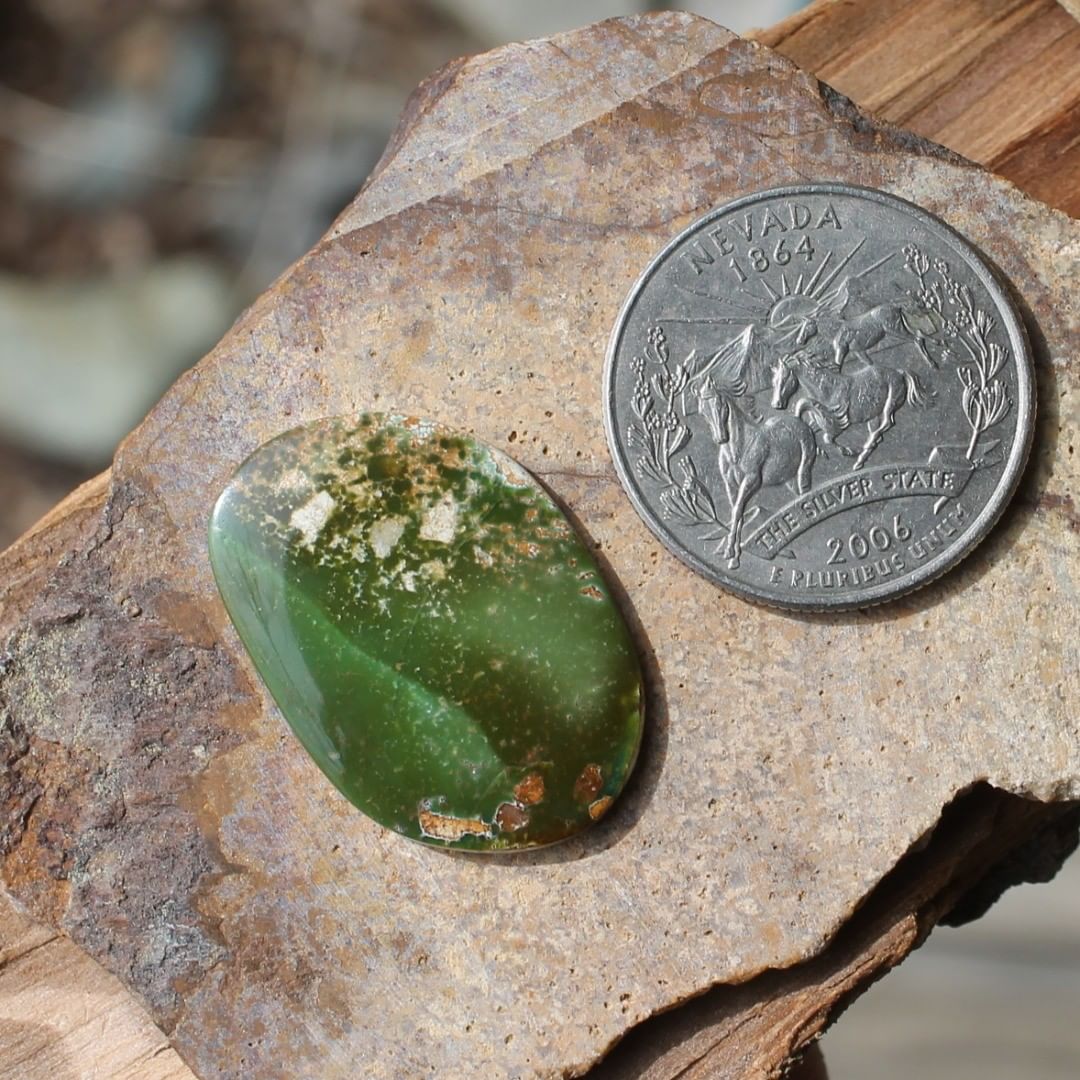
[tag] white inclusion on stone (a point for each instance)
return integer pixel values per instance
(293, 481)
(440, 521)
(482, 557)
(434, 570)
(498, 466)
(418, 428)
(310, 518)
(384, 534)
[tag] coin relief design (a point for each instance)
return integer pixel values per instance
(819, 397)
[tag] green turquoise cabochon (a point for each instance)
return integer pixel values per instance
(433, 630)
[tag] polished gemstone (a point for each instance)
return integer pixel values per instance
(432, 628)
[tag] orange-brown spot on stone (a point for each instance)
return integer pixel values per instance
(530, 789)
(588, 784)
(510, 817)
(593, 592)
(526, 548)
(599, 808)
(448, 827)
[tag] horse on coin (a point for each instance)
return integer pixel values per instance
(752, 451)
(834, 400)
(860, 332)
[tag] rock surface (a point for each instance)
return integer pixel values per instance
(156, 808)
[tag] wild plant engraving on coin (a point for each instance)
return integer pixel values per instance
(819, 397)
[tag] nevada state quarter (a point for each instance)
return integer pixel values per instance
(819, 397)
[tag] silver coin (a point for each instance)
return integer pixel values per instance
(819, 397)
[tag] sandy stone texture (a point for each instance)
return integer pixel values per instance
(158, 810)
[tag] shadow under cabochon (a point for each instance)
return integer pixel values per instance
(433, 630)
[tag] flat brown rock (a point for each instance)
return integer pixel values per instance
(157, 808)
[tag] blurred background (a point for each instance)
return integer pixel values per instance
(161, 161)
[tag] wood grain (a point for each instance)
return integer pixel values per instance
(62, 1016)
(995, 80)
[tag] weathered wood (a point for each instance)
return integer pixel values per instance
(83, 525)
(996, 82)
(62, 1016)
